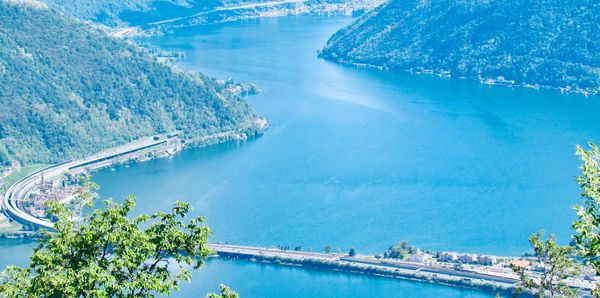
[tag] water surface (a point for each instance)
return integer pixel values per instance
(361, 158)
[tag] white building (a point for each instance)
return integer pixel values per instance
(447, 256)
(487, 260)
(468, 258)
(419, 258)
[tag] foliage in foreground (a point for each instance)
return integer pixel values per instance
(557, 262)
(225, 293)
(557, 265)
(587, 225)
(107, 254)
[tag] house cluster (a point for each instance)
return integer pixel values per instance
(47, 190)
(452, 257)
(419, 257)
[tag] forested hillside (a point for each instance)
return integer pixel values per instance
(176, 13)
(536, 43)
(106, 11)
(69, 90)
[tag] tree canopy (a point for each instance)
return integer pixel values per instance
(109, 254)
(69, 90)
(400, 250)
(557, 264)
(542, 43)
(587, 225)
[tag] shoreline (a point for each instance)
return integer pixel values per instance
(347, 270)
(364, 265)
(425, 267)
(249, 11)
(439, 272)
(24, 201)
(446, 74)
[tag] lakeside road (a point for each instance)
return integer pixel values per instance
(14, 197)
(438, 273)
(432, 272)
(227, 8)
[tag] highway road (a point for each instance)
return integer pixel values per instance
(366, 262)
(17, 192)
(431, 272)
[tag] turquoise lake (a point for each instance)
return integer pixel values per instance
(360, 158)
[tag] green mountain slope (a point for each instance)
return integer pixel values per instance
(107, 11)
(176, 13)
(539, 43)
(68, 90)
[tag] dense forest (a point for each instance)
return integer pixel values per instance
(145, 13)
(535, 43)
(69, 90)
(232, 10)
(107, 11)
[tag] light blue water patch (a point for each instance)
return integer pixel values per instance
(264, 280)
(15, 252)
(362, 158)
